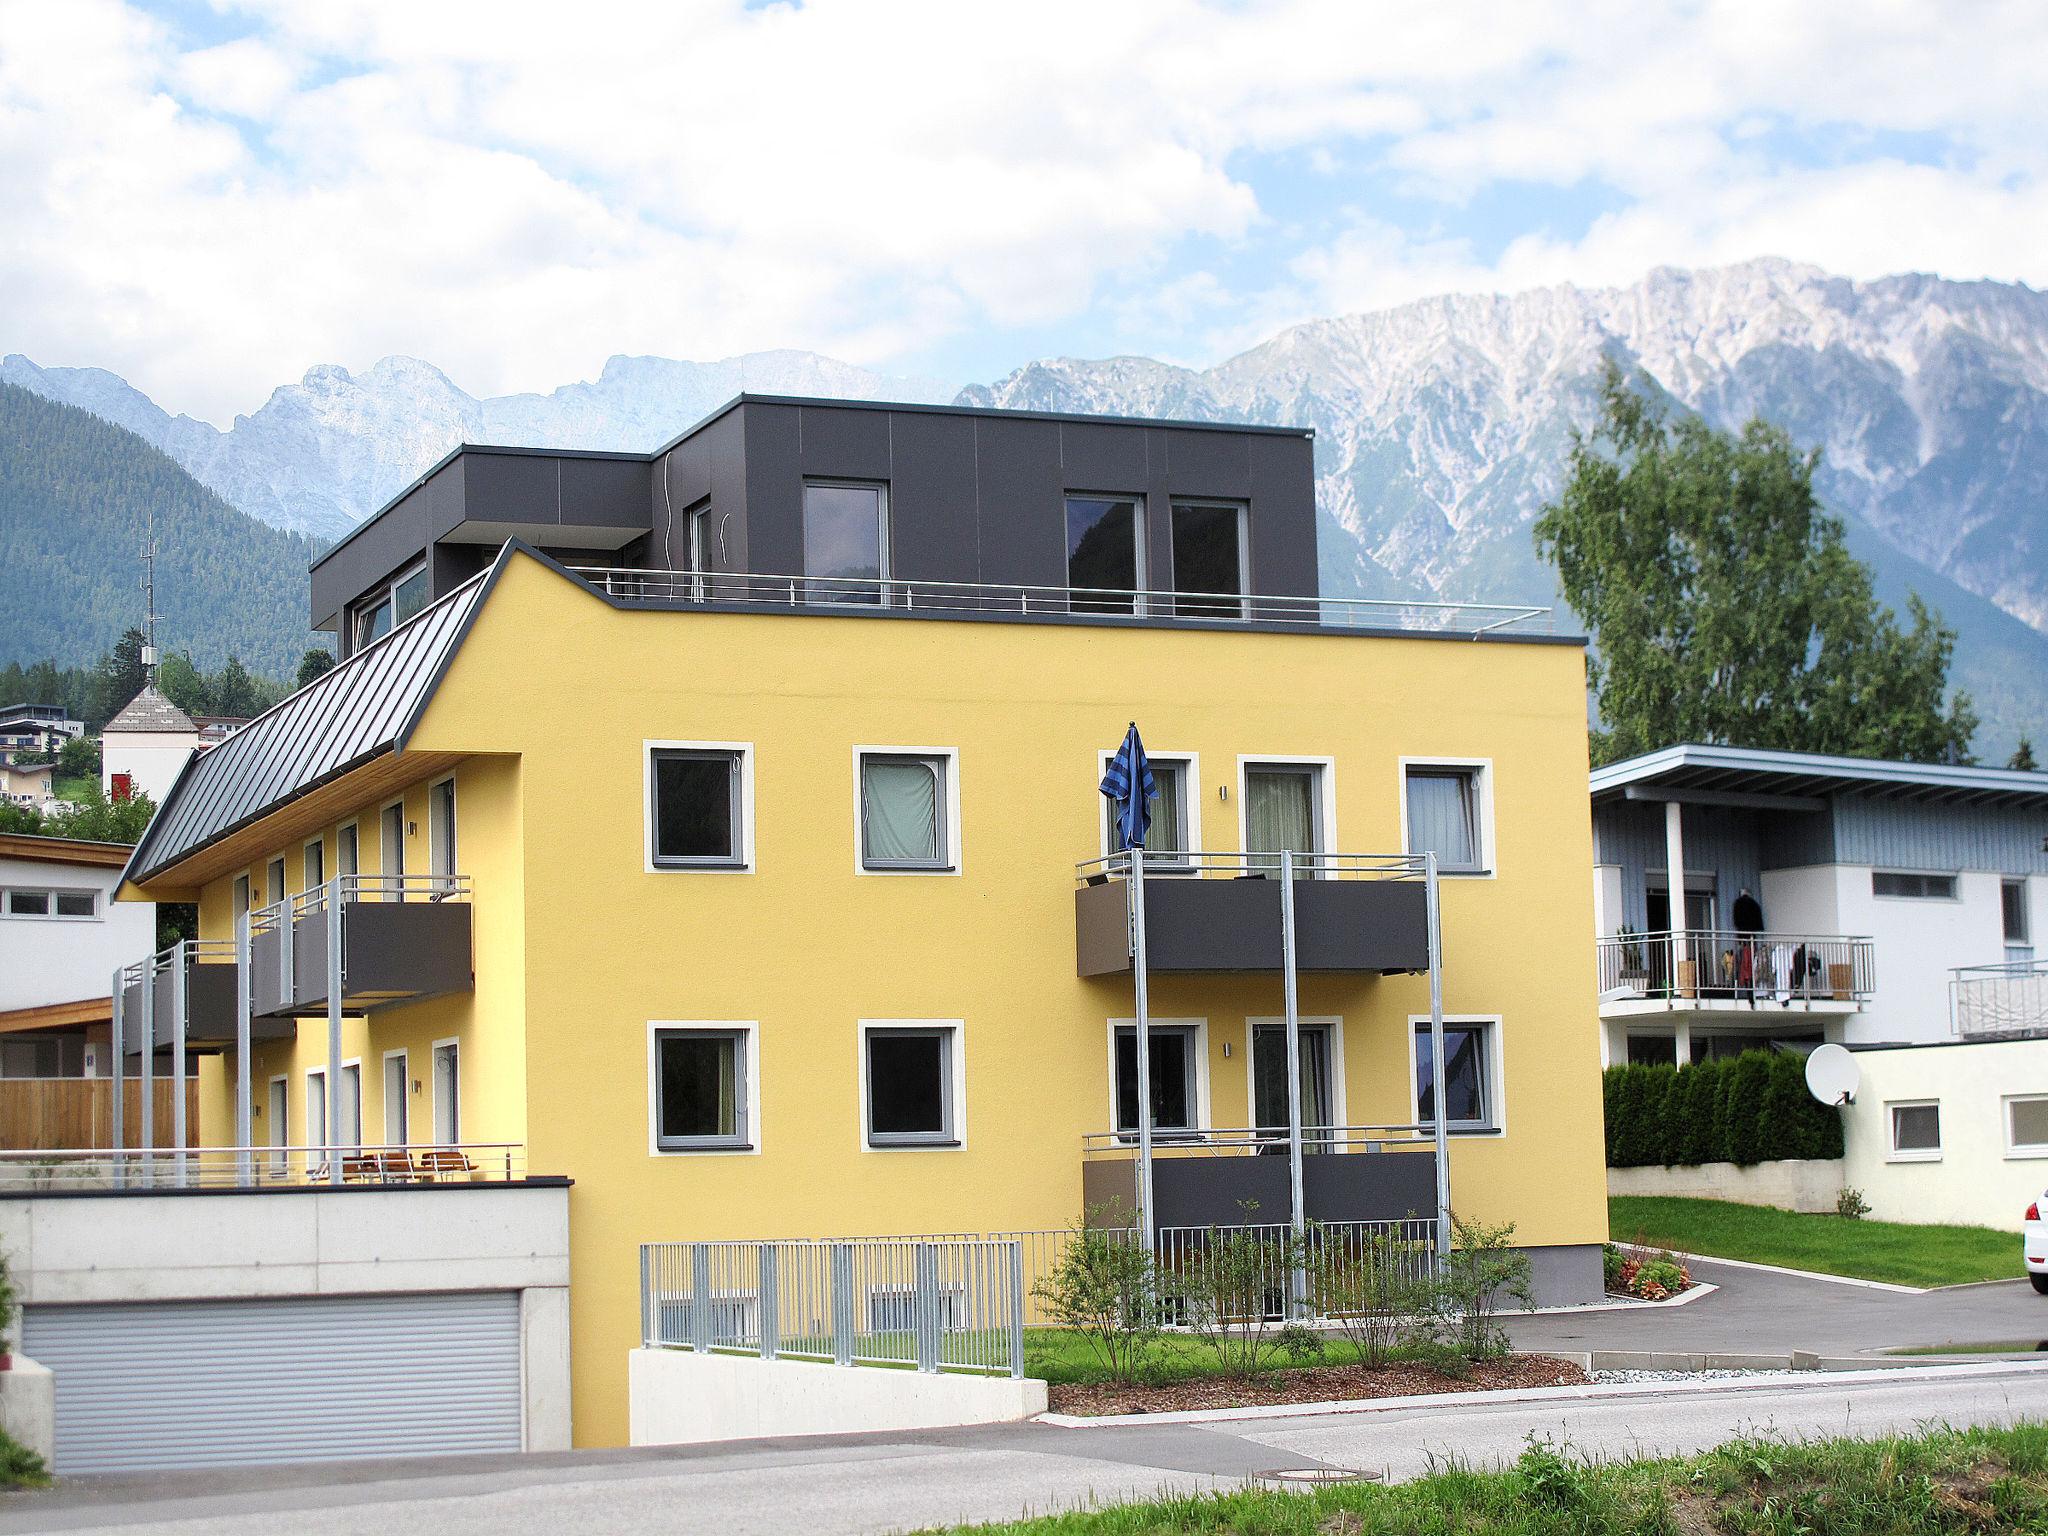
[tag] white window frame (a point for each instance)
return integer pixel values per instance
(1244, 556)
(316, 846)
(956, 1085)
(452, 1044)
(1334, 1022)
(239, 895)
(435, 852)
(279, 1132)
(2018, 1151)
(316, 1095)
(749, 1142)
(1893, 1152)
(1954, 879)
(884, 549)
(51, 892)
(354, 1063)
(745, 818)
(1190, 764)
(1481, 770)
(384, 868)
(350, 835)
(950, 852)
(1325, 796)
(404, 1059)
(280, 867)
(1200, 1109)
(1493, 1066)
(385, 596)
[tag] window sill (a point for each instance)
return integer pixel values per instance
(1913, 1157)
(698, 867)
(908, 1145)
(2025, 1154)
(910, 869)
(1463, 1130)
(709, 1146)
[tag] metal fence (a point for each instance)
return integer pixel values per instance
(934, 1304)
(1741, 967)
(1994, 1000)
(83, 1170)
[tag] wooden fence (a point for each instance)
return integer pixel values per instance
(40, 1114)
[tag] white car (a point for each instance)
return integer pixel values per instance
(2034, 1245)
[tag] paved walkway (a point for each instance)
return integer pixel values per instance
(1757, 1312)
(853, 1485)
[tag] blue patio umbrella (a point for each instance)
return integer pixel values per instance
(1129, 784)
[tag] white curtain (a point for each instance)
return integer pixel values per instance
(1279, 813)
(1440, 819)
(900, 811)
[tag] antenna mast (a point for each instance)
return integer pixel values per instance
(149, 613)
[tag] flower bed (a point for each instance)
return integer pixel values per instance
(1645, 1276)
(1311, 1384)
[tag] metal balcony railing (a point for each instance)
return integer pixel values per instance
(1256, 866)
(84, 1170)
(1999, 1000)
(381, 888)
(1718, 965)
(997, 599)
(1261, 1141)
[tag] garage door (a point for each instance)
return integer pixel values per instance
(226, 1383)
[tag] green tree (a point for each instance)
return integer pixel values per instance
(2022, 757)
(315, 664)
(234, 692)
(118, 678)
(79, 758)
(180, 681)
(1724, 605)
(100, 820)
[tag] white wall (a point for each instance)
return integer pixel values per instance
(1916, 944)
(683, 1398)
(151, 759)
(68, 959)
(1802, 900)
(1975, 1181)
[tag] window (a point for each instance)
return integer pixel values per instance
(316, 1107)
(697, 527)
(441, 832)
(909, 1076)
(2026, 1126)
(1916, 1131)
(1208, 558)
(397, 1084)
(352, 1104)
(1469, 1093)
(1175, 1078)
(1176, 812)
(1283, 809)
(698, 815)
(447, 1094)
(391, 843)
(316, 865)
(348, 851)
(279, 1132)
(273, 881)
(1909, 886)
(1105, 553)
(846, 541)
(2019, 940)
(1447, 815)
(389, 606)
(241, 895)
(1653, 1050)
(701, 1082)
(1318, 1080)
(53, 904)
(905, 811)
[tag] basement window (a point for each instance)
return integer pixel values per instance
(700, 1090)
(1915, 1131)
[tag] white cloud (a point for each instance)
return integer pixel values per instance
(514, 192)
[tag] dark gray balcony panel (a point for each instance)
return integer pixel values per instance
(1194, 1189)
(209, 1011)
(1234, 925)
(392, 952)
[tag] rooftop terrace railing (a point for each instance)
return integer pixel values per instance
(1719, 964)
(89, 1170)
(1999, 1000)
(1008, 599)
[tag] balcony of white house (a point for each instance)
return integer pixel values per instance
(1719, 971)
(1999, 1002)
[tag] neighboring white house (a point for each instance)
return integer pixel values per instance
(61, 937)
(1885, 902)
(145, 747)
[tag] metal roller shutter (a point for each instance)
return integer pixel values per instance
(226, 1383)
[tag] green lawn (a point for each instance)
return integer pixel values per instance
(1868, 1250)
(77, 790)
(1987, 1482)
(1059, 1355)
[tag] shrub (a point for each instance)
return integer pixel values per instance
(1232, 1291)
(7, 1307)
(1743, 1109)
(1105, 1288)
(20, 1467)
(1482, 1270)
(1850, 1203)
(1374, 1290)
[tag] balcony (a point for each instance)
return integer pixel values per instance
(203, 970)
(1365, 913)
(1716, 971)
(1205, 1178)
(1999, 1002)
(95, 1170)
(404, 938)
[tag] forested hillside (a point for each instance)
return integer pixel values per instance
(78, 497)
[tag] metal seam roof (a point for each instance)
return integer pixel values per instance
(364, 707)
(1702, 766)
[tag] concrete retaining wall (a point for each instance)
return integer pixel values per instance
(1801, 1185)
(28, 1407)
(683, 1398)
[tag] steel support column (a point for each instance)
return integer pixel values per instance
(179, 1013)
(1289, 988)
(1439, 1110)
(1135, 885)
(146, 1078)
(245, 1107)
(334, 983)
(120, 1074)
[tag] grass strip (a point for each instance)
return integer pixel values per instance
(1891, 1251)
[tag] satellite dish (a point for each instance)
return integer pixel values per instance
(1832, 1075)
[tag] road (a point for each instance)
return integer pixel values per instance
(843, 1486)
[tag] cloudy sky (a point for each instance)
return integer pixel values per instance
(208, 198)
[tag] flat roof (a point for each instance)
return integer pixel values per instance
(1691, 765)
(744, 398)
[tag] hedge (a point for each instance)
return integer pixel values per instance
(1752, 1108)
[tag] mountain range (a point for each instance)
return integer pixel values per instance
(1442, 427)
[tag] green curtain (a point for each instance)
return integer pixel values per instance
(900, 812)
(1279, 813)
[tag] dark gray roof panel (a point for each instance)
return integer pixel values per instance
(362, 708)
